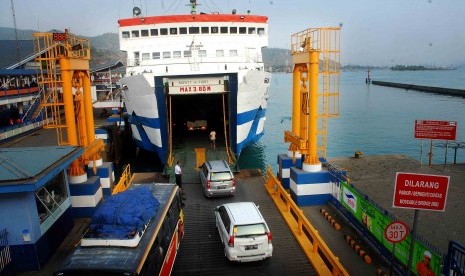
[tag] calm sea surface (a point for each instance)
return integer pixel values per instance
(372, 119)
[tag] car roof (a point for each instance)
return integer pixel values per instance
(217, 165)
(244, 212)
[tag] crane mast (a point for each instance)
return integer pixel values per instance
(66, 102)
(315, 86)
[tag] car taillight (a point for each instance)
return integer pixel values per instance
(269, 237)
(231, 241)
(234, 182)
(208, 184)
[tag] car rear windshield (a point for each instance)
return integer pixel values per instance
(220, 176)
(249, 230)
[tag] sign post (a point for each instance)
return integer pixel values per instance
(395, 232)
(435, 130)
(419, 191)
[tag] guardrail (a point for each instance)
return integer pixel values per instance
(124, 181)
(316, 250)
(454, 263)
(6, 262)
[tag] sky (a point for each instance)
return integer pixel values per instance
(374, 32)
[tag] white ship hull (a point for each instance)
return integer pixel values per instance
(202, 57)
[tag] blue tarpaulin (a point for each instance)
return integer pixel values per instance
(124, 214)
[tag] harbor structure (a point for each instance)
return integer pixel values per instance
(36, 204)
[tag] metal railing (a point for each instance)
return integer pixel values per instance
(6, 264)
(124, 181)
(455, 260)
(316, 250)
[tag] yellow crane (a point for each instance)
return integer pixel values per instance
(316, 60)
(66, 101)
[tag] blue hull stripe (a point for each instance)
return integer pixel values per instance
(252, 137)
(248, 116)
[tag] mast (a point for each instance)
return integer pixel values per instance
(193, 6)
(16, 31)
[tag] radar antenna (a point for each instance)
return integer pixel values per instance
(193, 6)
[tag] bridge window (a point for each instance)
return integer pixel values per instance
(219, 53)
(125, 34)
(50, 196)
(224, 30)
(194, 30)
(154, 32)
(135, 33)
(214, 30)
(233, 53)
(261, 31)
(177, 54)
(242, 30)
(145, 56)
(233, 30)
(202, 53)
(252, 30)
(173, 31)
(156, 55)
(205, 30)
(187, 54)
(164, 31)
(144, 33)
(183, 30)
(166, 55)
(136, 58)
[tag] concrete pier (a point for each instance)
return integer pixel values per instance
(375, 176)
(428, 89)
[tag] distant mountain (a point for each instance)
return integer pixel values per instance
(277, 59)
(9, 34)
(104, 48)
(106, 41)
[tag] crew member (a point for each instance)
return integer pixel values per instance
(178, 173)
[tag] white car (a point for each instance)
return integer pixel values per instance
(243, 232)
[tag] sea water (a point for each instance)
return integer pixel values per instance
(372, 119)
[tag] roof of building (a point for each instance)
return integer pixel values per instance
(18, 72)
(8, 55)
(26, 166)
(111, 65)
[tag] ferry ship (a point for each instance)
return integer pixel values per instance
(197, 67)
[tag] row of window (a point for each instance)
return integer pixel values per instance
(180, 54)
(193, 30)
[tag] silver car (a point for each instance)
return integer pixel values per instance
(217, 179)
(243, 232)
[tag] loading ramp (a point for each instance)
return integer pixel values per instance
(201, 251)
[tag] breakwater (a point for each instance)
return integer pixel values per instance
(422, 88)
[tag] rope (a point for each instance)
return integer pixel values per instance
(170, 131)
(226, 131)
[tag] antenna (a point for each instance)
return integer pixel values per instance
(16, 32)
(193, 6)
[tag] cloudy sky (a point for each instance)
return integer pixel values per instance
(374, 32)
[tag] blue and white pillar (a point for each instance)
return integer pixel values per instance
(284, 166)
(85, 194)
